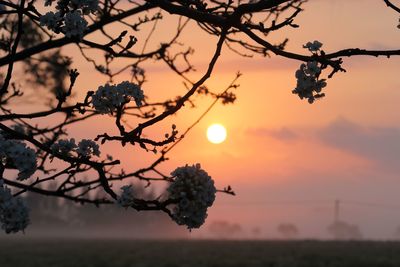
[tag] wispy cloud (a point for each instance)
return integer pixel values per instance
(283, 134)
(379, 144)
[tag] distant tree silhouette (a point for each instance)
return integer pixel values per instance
(39, 104)
(396, 233)
(341, 230)
(288, 230)
(256, 232)
(224, 229)
(57, 217)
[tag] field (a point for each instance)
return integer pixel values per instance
(113, 253)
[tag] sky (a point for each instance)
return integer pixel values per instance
(288, 161)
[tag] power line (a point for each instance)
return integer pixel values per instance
(337, 204)
(372, 205)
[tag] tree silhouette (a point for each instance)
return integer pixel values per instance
(224, 229)
(37, 142)
(288, 230)
(341, 230)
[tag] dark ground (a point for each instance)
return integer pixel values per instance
(114, 253)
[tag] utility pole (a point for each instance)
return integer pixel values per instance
(336, 218)
(336, 211)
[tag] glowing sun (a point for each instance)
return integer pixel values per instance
(216, 133)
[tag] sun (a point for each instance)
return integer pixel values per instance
(216, 133)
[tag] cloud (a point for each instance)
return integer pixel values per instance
(379, 144)
(283, 134)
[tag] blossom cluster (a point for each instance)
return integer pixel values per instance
(16, 154)
(85, 148)
(109, 97)
(313, 47)
(14, 214)
(69, 17)
(127, 198)
(309, 85)
(194, 190)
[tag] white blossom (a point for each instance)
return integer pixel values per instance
(109, 97)
(51, 20)
(308, 84)
(87, 148)
(20, 128)
(19, 156)
(106, 98)
(194, 190)
(132, 90)
(127, 198)
(70, 16)
(75, 25)
(64, 147)
(62, 4)
(312, 68)
(14, 214)
(313, 46)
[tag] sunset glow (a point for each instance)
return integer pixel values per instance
(288, 161)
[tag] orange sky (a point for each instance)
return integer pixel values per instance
(288, 160)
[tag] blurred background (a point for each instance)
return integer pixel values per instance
(329, 170)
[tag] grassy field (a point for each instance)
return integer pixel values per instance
(112, 253)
